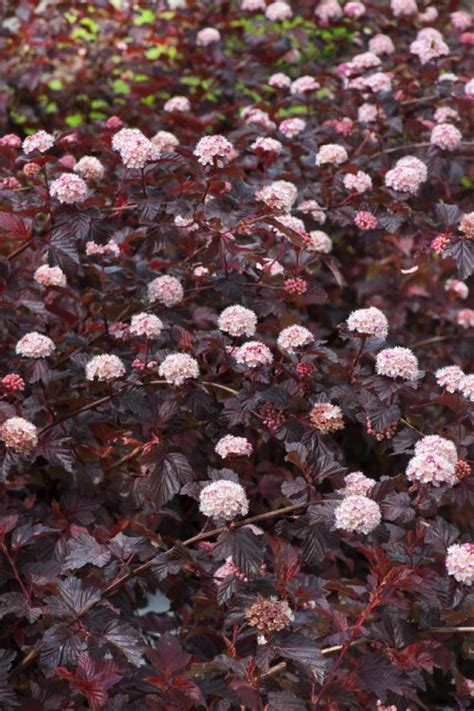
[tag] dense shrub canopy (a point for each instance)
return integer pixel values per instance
(236, 365)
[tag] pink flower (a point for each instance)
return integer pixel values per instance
(147, 325)
(360, 182)
(402, 8)
(279, 195)
(179, 104)
(295, 286)
(458, 287)
(19, 434)
(119, 330)
(178, 367)
(134, 147)
(365, 221)
(252, 115)
(378, 81)
(50, 276)
(446, 136)
(280, 81)
(13, 383)
(105, 368)
(207, 36)
(35, 345)
(278, 11)
(368, 322)
(213, 149)
(229, 446)
(267, 145)
(114, 123)
(328, 10)
(357, 484)
(304, 85)
(294, 337)
(429, 44)
(270, 266)
(238, 321)
(429, 15)
(354, 9)
(318, 241)
(253, 354)
(461, 20)
(253, 5)
(292, 127)
(165, 289)
(223, 500)
(40, 141)
(90, 168)
(367, 113)
(460, 562)
(292, 223)
(397, 362)
(469, 89)
(439, 446)
(314, 209)
(466, 387)
(466, 225)
(407, 175)
(165, 141)
(11, 140)
(358, 513)
(360, 63)
(449, 377)
(331, 153)
(381, 44)
(68, 188)
(446, 113)
(465, 318)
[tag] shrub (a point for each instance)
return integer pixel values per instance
(235, 371)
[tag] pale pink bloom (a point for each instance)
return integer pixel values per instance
(145, 324)
(40, 141)
(292, 223)
(186, 223)
(328, 10)
(278, 11)
(11, 140)
(238, 321)
(304, 85)
(35, 345)
(213, 149)
(229, 446)
(368, 322)
(446, 113)
(407, 175)
(253, 354)
(252, 115)
(207, 36)
(460, 562)
(280, 195)
(178, 367)
(358, 513)
(312, 208)
(469, 89)
(294, 337)
(318, 241)
(446, 136)
(378, 81)
(331, 153)
(466, 387)
(119, 330)
(401, 8)
(223, 500)
(109, 249)
(354, 9)
(439, 446)
(458, 287)
(293, 56)
(179, 104)
(367, 113)
(365, 220)
(19, 434)
(466, 225)
(267, 145)
(465, 318)
(270, 267)
(429, 44)
(397, 362)
(177, 4)
(360, 182)
(68, 188)
(50, 276)
(165, 289)
(429, 15)
(90, 168)
(105, 368)
(381, 44)
(134, 147)
(357, 484)
(449, 377)
(280, 81)
(253, 5)
(226, 569)
(360, 63)
(165, 141)
(10, 183)
(461, 20)
(200, 272)
(292, 127)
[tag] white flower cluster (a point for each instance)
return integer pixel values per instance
(223, 500)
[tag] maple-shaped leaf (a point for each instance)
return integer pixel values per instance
(125, 639)
(441, 534)
(61, 644)
(462, 251)
(15, 226)
(56, 449)
(168, 475)
(8, 697)
(92, 679)
(84, 549)
(168, 656)
(300, 649)
(244, 547)
(72, 600)
(377, 674)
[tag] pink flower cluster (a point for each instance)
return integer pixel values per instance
(238, 321)
(147, 325)
(104, 368)
(429, 45)
(267, 145)
(253, 354)
(135, 149)
(40, 141)
(304, 85)
(19, 434)
(368, 322)
(35, 345)
(207, 36)
(434, 462)
(407, 176)
(357, 513)
(460, 562)
(292, 127)
(165, 141)
(357, 484)
(446, 136)
(279, 195)
(50, 276)
(397, 362)
(178, 104)
(178, 367)
(331, 153)
(211, 150)
(68, 188)
(165, 289)
(90, 168)
(223, 500)
(360, 182)
(278, 11)
(294, 337)
(109, 249)
(230, 445)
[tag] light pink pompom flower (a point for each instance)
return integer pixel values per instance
(457, 287)
(328, 10)
(267, 146)
(357, 484)
(381, 44)
(449, 377)
(238, 321)
(178, 104)
(360, 182)
(357, 513)
(278, 11)
(408, 174)
(252, 5)
(19, 434)
(331, 153)
(354, 9)
(253, 354)
(178, 367)
(314, 209)
(446, 136)
(223, 500)
(144, 324)
(365, 220)
(231, 446)
(213, 149)
(294, 337)
(280, 195)
(440, 446)
(431, 469)
(397, 362)
(469, 89)
(35, 345)
(460, 562)
(403, 8)
(11, 140)
(466, 387)
(368, 322)
(109, 249)
(292, 127)
(280, 81)
(465, 318)
(68, 189)
(207, 36)
(104, 368)
(165, 289)
(165, 141)
(90, 168)
(429, 45)
(134, 147)
(318, 241)
(304, 85)
(40, 141)
(466, 225)
(50, 276)
(461, 20)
